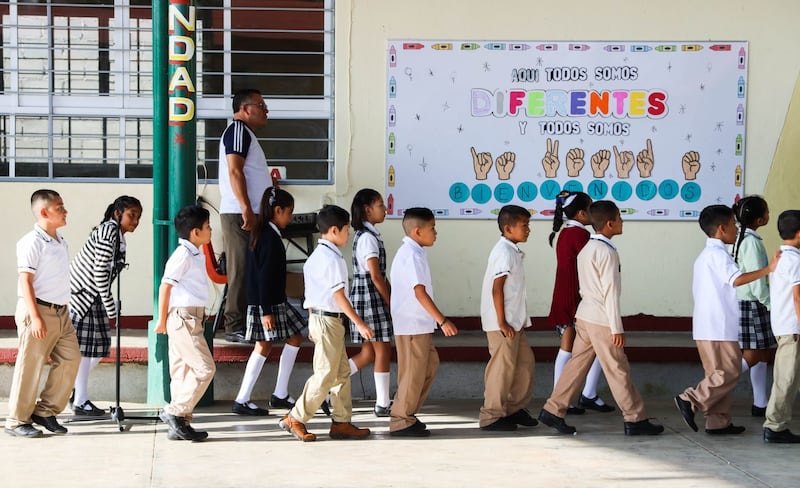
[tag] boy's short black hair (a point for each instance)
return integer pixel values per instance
(242, 96)
(188, 218)
(788, 224)
(510, 215)
(415, 217)
(603, 211)
(713, 216)
(332, 216)
(44, 195)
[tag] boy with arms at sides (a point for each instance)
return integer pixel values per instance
(715, 323)
(509, 374)
(414, 316)
(598, 327)
(325, 275)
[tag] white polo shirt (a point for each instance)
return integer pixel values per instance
(505, 259)
(752, 257)
(368, 246)
(48, 260)
(409, 269)
(781, 288)
(324, 272)
(716, 309)
(186, 272)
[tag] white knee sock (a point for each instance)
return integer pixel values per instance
(592, 378)
(82, 380)
(745, 366)
(758, 378)
(561, 360)
(251, 373)
(382, 389)
(285, 368)
(353, 367)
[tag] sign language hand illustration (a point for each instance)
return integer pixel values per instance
(574, 162)
(645, 160)
(624, 162)
(600, 162)
(482, 163)
(691, 164)
(504, 164)
(550, 161)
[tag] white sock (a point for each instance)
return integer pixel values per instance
(592, 378)
(745, 366)
(285, 368)
(758, 378)
(82, 380)
(382, 389)
(561, 360)
(251, 373)
(353, 367)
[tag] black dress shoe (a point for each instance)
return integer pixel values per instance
(500, 425)
(573, 410)
(249, 408)
(88, 409)
(415, 430)
(643, 427)
(197, 435)
(730, 429)
(287, 402)
(555, 422)
(522, 417)
(685, 408)
(780, 437)
(177, 426)
(50, 423)
(591, 404)
(237, 336)
(24, 430)
(383, 411)
(759, 412)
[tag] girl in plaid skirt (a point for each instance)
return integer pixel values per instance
(91, 304)
(369, 293)
(270, 317)
(755, 334)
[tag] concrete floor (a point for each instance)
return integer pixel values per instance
(247, 451)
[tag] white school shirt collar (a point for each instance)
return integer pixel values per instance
(414, 244)
(601, 237)
(189, 246)
(752, 233)
(45, 236)
(575, 223)
(371, 228)
(331, 246)
(513, 245)
(275, 228)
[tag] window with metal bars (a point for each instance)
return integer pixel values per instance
(77, 85)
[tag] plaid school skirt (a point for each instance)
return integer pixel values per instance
(755, 331)
(369, 305)
(92, 331)
(288, 322)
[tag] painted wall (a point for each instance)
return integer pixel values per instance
(656, 257)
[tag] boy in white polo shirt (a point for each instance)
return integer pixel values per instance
(182, 298)
(784, 294)
(715, 324)
(325, 276)
(508, 380)
(414, 316)
(43, 323)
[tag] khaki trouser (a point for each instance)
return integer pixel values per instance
(191, 365)
(722, 363)
(595, 340)
(234, 243)
(331, 372)
(417, 364)
(509, 376)
(785, 383)
(61, 346)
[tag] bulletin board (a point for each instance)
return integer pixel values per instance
(657, 127)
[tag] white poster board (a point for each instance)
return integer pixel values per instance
(657, 127)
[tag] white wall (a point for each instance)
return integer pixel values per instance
(656, 257)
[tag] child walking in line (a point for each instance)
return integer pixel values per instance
(182, 298)
(370, 294)
(504, 314)
(415, 317)
(599, 332)
(715, 324)
(92, 306)
(755, 333)
(575, 207)
(325, 276)
(270, 317)
(785, 299)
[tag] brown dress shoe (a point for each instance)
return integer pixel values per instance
(296, 428)
(346, 430)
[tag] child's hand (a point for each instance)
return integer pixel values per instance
(774, 263)
(449, 328)
(365, 331)
(618, 340)
(507, 330)
(38, 329)
(268, 321)
(161, 326)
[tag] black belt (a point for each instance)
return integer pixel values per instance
(328, 314)
(50, 305)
